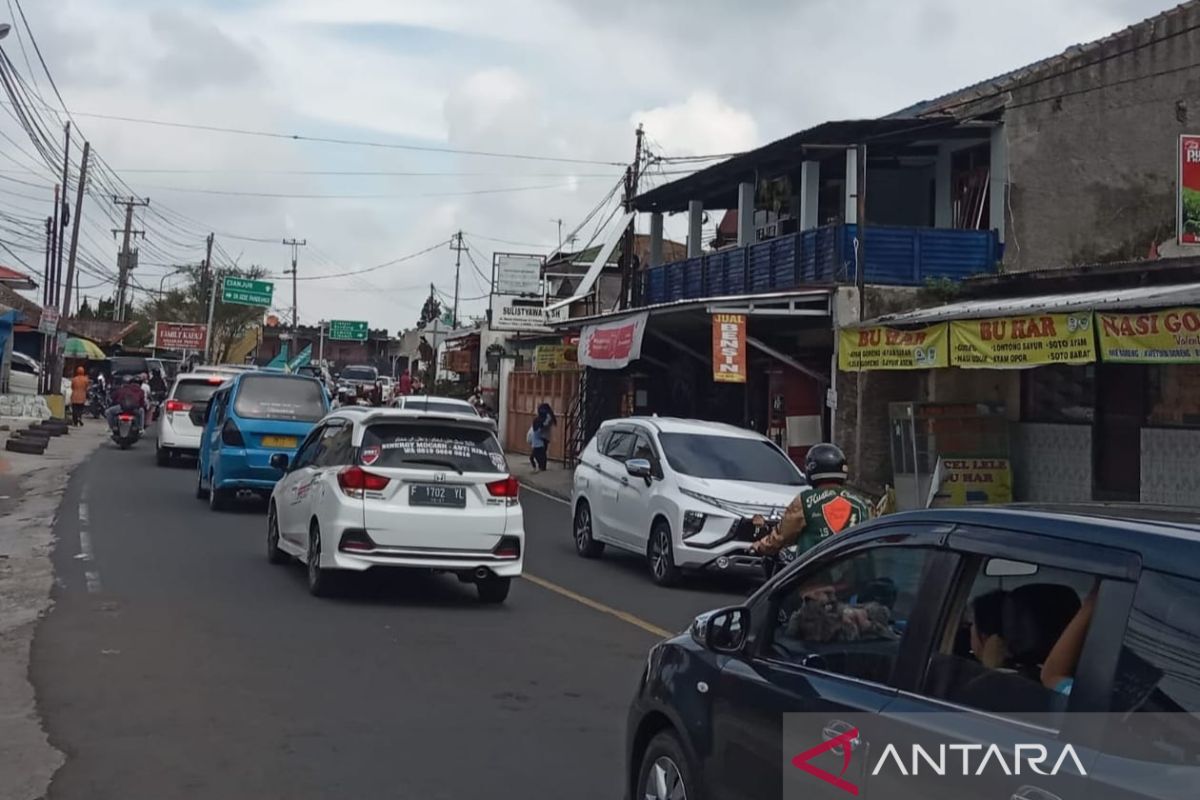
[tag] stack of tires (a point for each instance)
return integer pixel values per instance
(36, 438)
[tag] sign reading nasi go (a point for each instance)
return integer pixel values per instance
(729, 348)
(1019, 342)
(882, 348)
(1169, 336)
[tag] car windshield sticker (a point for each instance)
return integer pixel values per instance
(498, 461)
(426, 446)
(370, 454)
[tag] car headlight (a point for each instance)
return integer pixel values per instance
(693, 522)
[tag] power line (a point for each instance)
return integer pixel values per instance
(393, 262)
(290, 196)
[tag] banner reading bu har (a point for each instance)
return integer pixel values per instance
(1021, 342)
(879, 348)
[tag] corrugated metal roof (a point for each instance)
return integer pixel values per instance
(690, 304)
(1166, 296)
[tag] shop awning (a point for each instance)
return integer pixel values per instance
(1182, 294)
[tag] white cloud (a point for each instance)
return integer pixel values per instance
(701, 125)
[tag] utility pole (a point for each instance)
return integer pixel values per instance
(83, 170)
(560, 242)
(206, 268)
(64, 220)
(127, 259)
(44, 380)
(632, 178)
(295, 244)
(456, 244)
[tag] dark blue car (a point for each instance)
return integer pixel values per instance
(249, 419)
(1063, 629)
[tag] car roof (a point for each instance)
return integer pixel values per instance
(203, 377)
(364, 415)
(693, 426)
(430, 398)
(1166, 540)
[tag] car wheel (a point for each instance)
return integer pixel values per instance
(201, 492)
(162, 457)
(665, 773)
(585, 545)
(274, 554)
(218, 499)
(320, 580)
(493, 590)
(662, 556)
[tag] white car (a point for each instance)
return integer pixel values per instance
(387, 387)
(381, 487)
(180, 424)
(24, 375)
(683, 493)
(446, 405)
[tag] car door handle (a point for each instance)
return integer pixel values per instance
(1033, 793)
(624, 481)
(836, 728)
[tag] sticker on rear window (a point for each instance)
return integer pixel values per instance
(498, 461)
(370, 454)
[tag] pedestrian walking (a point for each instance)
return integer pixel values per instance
(79, 390)
(539, 436)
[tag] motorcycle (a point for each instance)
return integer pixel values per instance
(97, 401)
(126, 433)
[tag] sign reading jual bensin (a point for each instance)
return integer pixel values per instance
(931, 755)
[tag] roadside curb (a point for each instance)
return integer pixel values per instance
(31, 492)
(556, 481)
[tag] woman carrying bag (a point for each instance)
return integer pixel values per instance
(539, 436)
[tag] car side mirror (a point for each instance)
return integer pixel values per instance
(722, 631)
(279, 461)
(640, 468)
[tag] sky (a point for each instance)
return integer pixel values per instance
(551, 79)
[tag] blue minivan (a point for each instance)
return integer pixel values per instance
(249, 419)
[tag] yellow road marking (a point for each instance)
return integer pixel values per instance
(624, 616)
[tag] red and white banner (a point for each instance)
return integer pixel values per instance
(612, 345)
(1188, 220)
(180, 335)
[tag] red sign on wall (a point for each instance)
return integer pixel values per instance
(180, 335)
(729, 348)
(1188, 215)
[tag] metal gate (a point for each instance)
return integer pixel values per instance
(526, 391)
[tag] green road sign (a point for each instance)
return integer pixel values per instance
(347, 330)
(245, 292)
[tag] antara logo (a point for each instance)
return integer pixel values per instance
(948, 759)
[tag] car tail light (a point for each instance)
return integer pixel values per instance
(508, 487)
(355, 540)
(508, 547)
(355, 480)
(230, 434)
(174, 406)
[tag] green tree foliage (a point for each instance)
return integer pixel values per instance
(189, 303)
(430, 311)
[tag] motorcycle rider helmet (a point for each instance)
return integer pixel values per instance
(825, 462)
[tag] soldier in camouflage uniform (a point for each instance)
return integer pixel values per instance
(822, 509)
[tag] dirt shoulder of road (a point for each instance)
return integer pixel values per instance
(31, 490)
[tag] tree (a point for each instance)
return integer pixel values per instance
(189, 303)
(103, 310)
(430, 311)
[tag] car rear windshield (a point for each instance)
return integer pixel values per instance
(726, 458)
(432, 447)
(437, 407)
(195, 391)
(128, 365)
(263, 397)
(359, 374)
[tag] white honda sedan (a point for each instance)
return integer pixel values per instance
(383, 487)
(180, 422)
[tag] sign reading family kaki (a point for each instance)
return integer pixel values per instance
(729, 348)
(1019, 342)
(180, 335)
(1188, 201)
(1168, 336)
(861, 349)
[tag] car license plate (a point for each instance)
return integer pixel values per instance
(425, 495)
(281, 442)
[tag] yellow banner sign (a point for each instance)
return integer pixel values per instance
(1019, 342)
(554, 358)
(1169, 336)
(971, 481)
(861, 349)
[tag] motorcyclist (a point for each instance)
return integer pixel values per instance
(822, 509)
(158, 385)
(128, 397)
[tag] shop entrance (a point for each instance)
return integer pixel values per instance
(1117, 434)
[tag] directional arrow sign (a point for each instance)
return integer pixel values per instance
(347, 330)
(245, 292)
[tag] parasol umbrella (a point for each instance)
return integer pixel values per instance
(82, 348)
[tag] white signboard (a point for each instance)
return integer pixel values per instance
(48, 324)
(518, 274)
(511, 313)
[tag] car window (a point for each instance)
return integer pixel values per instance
(359, 374)
(17, 365)
(218, 408)
(430, 446)
(602, 438)
(194, 391)
(620, 445)
(728, 458)
(642, 448)
(1156, 690)
(436, 407)
(309, 448)
(849, 616)
(279, 398)
(1000, 634)
(335, 446)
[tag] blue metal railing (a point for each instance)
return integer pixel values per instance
(895, 256)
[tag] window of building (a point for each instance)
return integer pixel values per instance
(1059, 394)
(1173, 395)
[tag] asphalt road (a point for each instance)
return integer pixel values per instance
(178, 663)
